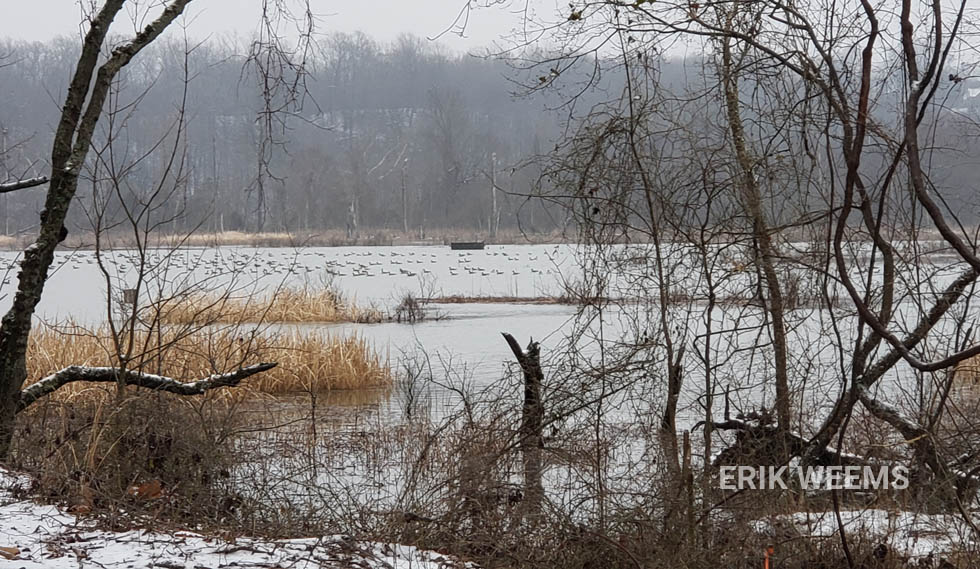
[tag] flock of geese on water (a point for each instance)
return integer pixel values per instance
(416, 263)
(361, 263)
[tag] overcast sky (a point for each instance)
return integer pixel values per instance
(382, 19)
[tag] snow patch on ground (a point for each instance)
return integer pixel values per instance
(36, 536)
(909, 534)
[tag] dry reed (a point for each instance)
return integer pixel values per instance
(287, 305)
(314, 362)
(461, 299)
(312, 238)
(369, 236)
(967, 372)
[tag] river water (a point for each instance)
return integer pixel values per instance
(465, 337)
(460, 339)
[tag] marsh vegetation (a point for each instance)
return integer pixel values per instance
(766, 261)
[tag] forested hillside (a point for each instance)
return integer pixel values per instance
(400, 137)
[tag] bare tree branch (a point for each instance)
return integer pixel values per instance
(23, 184)
(72, 374)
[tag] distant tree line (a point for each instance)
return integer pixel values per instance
(399, 136)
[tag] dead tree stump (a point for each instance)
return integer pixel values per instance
(532, 420)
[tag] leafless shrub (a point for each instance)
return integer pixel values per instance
(410, 310)
(147, 458)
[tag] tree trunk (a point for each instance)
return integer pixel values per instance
(760, 232)
(404, 205)
(69, 150)
(8, 412)
(494, 216)
(532, 421)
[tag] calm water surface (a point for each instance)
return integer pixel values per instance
(465, 337)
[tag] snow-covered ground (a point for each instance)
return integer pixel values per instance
(906, 534)
(40, 536)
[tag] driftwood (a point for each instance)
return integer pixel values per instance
(759, 441)
(532, 419)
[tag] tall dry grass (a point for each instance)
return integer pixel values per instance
(308, 362)
(307, 304)
(369, 236)
(313, 238)
(967, 372)
(327, 238)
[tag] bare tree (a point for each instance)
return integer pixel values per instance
(785, 196)
(83, 108)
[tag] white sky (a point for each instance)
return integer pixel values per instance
(382, 19)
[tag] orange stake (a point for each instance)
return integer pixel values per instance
(769, 551)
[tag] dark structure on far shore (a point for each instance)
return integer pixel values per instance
(467, 245)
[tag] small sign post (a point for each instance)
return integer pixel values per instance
(769, 551)
(127, 308)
